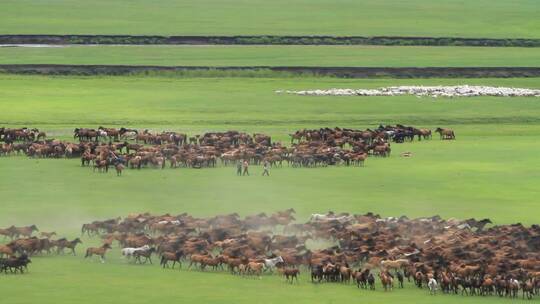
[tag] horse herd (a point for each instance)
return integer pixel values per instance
(136, 149)
(465, 257)
(14, 256)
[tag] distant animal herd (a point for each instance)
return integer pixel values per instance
(460, 257)
(104, 147)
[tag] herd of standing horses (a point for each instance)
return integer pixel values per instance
(467, 257)
(120, 148)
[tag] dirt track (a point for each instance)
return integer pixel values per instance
(342, 72)
(266, 40)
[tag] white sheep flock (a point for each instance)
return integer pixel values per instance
(424, 91)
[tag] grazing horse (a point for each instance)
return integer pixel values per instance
(446, 133)
(171, 256)
(99, 251)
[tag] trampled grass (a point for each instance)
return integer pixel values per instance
(489, 171)
(348, 56)
(479, 18)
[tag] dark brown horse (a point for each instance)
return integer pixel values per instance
(290, 274)
(171, 256)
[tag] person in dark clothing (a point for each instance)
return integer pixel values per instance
(239, 168)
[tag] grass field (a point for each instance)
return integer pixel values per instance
(489, 171)
(479, 18)
(347, 56)
(220, 103)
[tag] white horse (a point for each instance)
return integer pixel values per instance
(129, 251)
(432, 285)
(317, 217)
(175, 222)
(271, 263)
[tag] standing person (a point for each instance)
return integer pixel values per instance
(266, 167)
(239, 168)
(246, 168)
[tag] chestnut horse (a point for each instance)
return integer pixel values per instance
(446, 133)
(99, 251)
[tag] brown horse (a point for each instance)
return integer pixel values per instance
(397, 264)
(25, 231)
(446, 133)
(528, 289)
(345, 273)
(62, 244)
(47, 234)
(146, 254)
(386, 280)
(101, 165)
(255, 268)
(6, 250)
(99, 251)
(119, 168)
(290, 273)
(197, 259)
(8, 232)
(171, 256)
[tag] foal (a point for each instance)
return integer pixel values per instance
(119, 168)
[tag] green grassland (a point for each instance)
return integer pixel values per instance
(479, 18)
(489, 171)
(347, 56)
(245, 103)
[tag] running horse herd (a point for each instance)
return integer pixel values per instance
(452, 256)
(106, 147)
